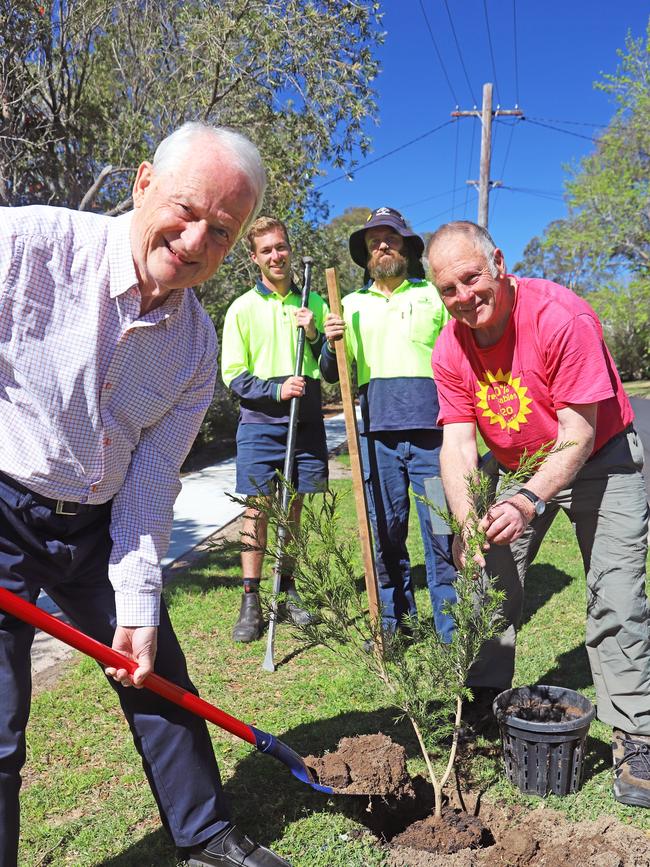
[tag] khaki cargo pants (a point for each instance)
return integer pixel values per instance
(608, 509)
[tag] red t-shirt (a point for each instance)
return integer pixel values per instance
(551, 354)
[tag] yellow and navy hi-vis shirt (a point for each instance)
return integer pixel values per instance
(391, 340)
(258, 352)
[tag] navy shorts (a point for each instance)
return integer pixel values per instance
(261, 450)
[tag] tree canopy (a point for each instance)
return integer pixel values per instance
(89, 87)
(90, 83)
(602, 248)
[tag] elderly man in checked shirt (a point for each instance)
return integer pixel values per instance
(107, 367)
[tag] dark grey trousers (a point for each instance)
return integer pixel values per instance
(608, 509)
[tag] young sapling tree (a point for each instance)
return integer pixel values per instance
(425, 677)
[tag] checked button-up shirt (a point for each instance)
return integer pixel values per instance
(97, 402)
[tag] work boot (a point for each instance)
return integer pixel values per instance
(232, 847)
(631, 768)
(293, 607)
(250, 622)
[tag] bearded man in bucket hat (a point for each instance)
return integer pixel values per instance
(390, 326)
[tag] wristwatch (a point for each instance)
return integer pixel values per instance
(538, 503)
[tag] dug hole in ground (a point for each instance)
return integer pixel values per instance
(397, 809)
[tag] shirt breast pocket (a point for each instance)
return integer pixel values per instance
(423, 323)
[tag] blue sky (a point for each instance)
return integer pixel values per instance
(561, 48)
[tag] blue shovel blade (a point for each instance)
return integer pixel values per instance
(267, 743)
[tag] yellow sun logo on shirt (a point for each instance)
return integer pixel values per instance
(503, 399)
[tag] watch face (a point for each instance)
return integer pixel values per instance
(540, 507)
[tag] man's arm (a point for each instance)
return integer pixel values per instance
(142, 515)
(235, 365)
(306, 318)
(506, 521)
(458, 459)
(334, 330)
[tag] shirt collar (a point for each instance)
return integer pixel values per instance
(120, 257)
(406, 284)
(264, 291)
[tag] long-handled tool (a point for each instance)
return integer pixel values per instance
(352, 431)
(265, 742)
(269, 664)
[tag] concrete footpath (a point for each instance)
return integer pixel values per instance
(202, 508)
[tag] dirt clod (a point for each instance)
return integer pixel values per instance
(364, 765)
(453, 831)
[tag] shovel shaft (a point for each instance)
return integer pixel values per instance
(108, 657)
(269, 662)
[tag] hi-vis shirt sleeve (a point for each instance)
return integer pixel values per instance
(327, 362)
(236, 362)
(319, 308)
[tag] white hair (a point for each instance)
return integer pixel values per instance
(478, 235)
(244, 153)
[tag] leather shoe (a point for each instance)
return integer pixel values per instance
(250, 622)
(232, 847)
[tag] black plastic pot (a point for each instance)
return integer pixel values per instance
(543, 757)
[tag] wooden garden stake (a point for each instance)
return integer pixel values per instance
(361, 504)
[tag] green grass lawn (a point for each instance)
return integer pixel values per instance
(640, 388)
(85, 800)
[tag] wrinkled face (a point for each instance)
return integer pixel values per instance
(272, 255)
(186, 219)
(386, 256)
(468, 290)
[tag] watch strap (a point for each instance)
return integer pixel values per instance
(534, 499)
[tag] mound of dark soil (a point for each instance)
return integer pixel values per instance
(453, 831)
(364, 765)
(539, 838)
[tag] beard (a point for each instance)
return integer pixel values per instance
(386, 267)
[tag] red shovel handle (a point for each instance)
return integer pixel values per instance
(108, 657)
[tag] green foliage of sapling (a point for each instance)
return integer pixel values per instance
(425, 676)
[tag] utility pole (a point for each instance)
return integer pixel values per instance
(484, 183)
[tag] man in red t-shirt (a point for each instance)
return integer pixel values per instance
(525, 362)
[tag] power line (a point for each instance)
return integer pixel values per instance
(435, 45)
(503, 167)
(514, 30)
(435, 217)
(350, 175)
(460, 53)
(469, 169)
(572, 122)
(484, 184)
(511, 127)
(489, 36)
(559, 129)
(453, 201)
(430, 198)
(542, 194)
